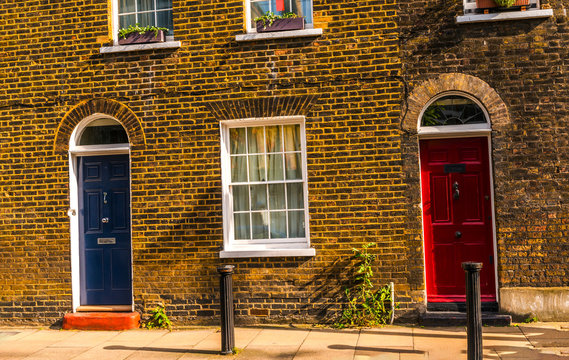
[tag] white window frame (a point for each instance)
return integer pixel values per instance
(116, 23)
(471, 16)
(249, 19)
(255, 248)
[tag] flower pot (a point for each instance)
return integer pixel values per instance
(147, 37)
(488, 4)
(281, 25)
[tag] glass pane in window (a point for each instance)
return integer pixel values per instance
(260, 225)
(295, 196)
(296, 224)
(292, 137)
(146, 19)
(126, 20)
(278, 225)
(275, 167)
(258, 8)
(240, 198)
(273, 139)
(293, 166)
(257, 168)
(303, 8)
(145, 5)
(258, 197)
(126, 6)
(255, 137)
(453, 110)
(242, 225)
(276, 196)
(163, 4)
(237, 141)
(238, 168)
(103, 132)
(164, 19)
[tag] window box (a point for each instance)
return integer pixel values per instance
(146, 38)
(484, 5)
(281, 25)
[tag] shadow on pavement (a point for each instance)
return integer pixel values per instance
(157, 349)
(376, 349)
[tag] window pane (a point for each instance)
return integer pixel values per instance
(257, 168)
(260, 225)
(237, 141)
(242, 226)
(295, 224)
(292, 137)
(163, 4)
(258, 8)
(164, 19)
(238, 168)
(295, 196)
(126, 6)
(255, 136)
(146, 19)
(241, 198)
(145, 5)
(273, 139)
(278, 225)
(276, 196)
(258, 197)
(453, 110)
(108, 134)
(293, 166)
(275, 167)
(126, 20)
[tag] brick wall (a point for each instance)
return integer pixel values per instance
(350, 81)
(523, 61)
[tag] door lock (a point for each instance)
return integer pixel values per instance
(105, 220)
(456, 194)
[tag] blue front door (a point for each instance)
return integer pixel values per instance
(105, 244)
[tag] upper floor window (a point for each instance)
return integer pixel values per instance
(256, 8)
(145, 13)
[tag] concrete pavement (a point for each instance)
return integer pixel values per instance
(528, 341)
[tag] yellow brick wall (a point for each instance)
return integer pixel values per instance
(50, 63)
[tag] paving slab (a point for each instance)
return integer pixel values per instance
(328, 344)
(546, 337)
(122, 345)
(32, 342)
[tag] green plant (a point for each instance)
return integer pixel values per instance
(365, 306)
(158, 319)
(140, 29)
(270, 17)
(531, 319)
(505, 3)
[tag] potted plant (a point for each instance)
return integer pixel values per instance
(504, 4)
(285, 22)
(136, 34)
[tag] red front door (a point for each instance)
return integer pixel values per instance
(457, 216)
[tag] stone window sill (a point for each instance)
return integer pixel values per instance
(504, 16)
(278, 35)
(140, 47)
(229, 254)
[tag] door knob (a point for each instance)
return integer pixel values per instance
(458, 234)
(105, 220)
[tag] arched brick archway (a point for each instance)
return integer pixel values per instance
(99, 106)
(474, 86)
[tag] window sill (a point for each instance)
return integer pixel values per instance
(504, 16)
(228, 254)
(140, 47)
(278, 35)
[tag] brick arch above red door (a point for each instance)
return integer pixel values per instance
(113, 108)
(426, 91)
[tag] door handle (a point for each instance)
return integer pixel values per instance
(456, 194)
(104, 197)
(458, 234)
(105, 220)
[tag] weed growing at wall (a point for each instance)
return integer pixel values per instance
(158, 319)
(366, 306)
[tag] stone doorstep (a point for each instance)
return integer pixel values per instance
(455, 318)
(101, 321)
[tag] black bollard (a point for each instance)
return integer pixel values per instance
(227, 315)
(473, 310)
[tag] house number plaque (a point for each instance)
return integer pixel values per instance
(106, 241)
